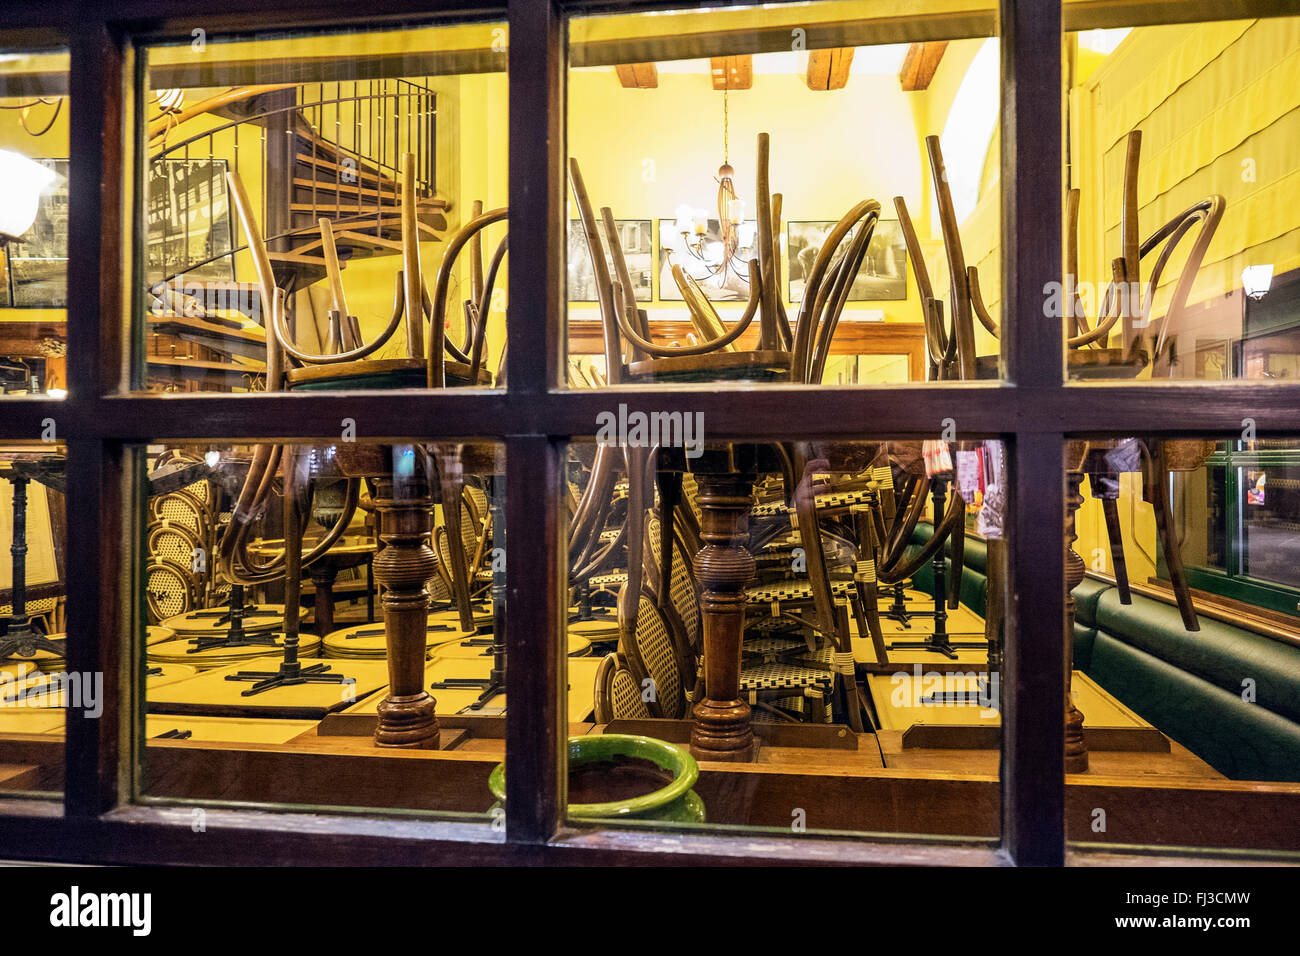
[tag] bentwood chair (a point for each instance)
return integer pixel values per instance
(951, 345)
(346, 361)
(797, 354)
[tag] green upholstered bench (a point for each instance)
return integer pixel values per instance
(1193, 686)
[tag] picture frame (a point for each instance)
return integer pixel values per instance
(637, 240)
(883, 275)
(177, 242)
(36, 265)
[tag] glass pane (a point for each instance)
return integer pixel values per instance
(37, 692)
(355, 203)
(33, 222)
(1186, 643)
(777, 638)
(1183, 182)
(851, 162)
(294, 675)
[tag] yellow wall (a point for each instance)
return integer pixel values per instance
(645, 152)
(473, 156)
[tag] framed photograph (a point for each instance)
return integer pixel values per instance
(38, 262)
(635, 236)
(700, 255)
(188, 214)
(884, 268)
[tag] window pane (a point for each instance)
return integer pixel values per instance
(33, 222)
(852, 161)
(1182, 168)
(779, 635)
(276, 171)
(37, 692)
(1186, 643)
(294, 676)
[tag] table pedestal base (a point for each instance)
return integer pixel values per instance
(404, 567)
(723, 728)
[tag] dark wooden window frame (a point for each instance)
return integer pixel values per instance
(1033, 409)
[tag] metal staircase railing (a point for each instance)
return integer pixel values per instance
(346, 144)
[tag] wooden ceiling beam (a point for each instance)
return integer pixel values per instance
(829, 69)
(732, 72)
(638, 76)
(920, 64)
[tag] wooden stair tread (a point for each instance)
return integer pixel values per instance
(360, 172)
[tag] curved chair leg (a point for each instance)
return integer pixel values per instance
(1156, 491)
(958, 557)
(451, 484)
(1110, 508)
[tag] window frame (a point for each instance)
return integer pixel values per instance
(1034, 410)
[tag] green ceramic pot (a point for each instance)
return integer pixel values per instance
(676, 802)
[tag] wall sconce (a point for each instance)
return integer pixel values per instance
(23, 180)
(1256, 280)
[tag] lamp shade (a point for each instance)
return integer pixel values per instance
(1256, 280)
(21, 182)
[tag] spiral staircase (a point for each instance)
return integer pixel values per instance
(327, 151)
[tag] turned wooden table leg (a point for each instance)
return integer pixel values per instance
(1076, 748)
(323, 577)
(723, 729)
(404, 567)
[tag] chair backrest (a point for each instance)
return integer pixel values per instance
(682, 606)
(627, 335)
(951, 346)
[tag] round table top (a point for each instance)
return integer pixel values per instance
(156, 634)
(367, 641)
(46, 662)
(459, 651)
(182, 651)
(261, 617)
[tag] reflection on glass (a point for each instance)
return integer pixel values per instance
(767, 614)
(1182, 239)
(322, 607)
(349, 210)
(807, 172)
(33, 223)
(37, 692)
(1186, 638)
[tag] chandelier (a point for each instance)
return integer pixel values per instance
(710, 258)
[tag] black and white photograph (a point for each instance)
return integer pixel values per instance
(884, 268)
(637, 240)
(188, 216)
(38, 262)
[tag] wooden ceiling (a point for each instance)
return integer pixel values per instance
(829, 69)
(920, 64)
(732, 72)
(638, 76)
